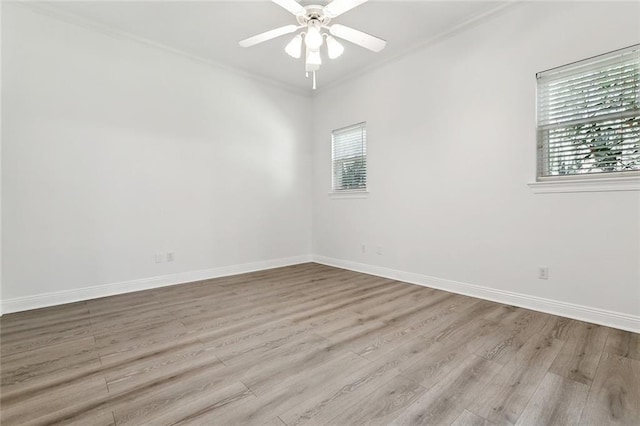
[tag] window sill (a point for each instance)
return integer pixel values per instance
(342, 195)
(631, 183)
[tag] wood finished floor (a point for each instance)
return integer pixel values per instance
(311, 344)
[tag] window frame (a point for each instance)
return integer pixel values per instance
(580, 182)
(350, 192)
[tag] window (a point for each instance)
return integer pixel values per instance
(349, 158)
(589, 117)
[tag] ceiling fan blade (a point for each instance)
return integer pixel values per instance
(292, 6)
(338, 7)
(268, 35)
(358, 37)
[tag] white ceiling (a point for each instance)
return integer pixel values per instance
(211, 30)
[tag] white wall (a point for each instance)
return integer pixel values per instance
(451, 148)
(113, 151)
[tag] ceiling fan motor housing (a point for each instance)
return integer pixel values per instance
(313, 13)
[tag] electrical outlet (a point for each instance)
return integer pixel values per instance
(158, 258)
(363, 248)
(543, 273)
(170, 257)
(379, 250)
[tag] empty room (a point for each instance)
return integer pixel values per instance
(323, 212)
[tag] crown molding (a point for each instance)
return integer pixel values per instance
(423, 44)
(50, 10)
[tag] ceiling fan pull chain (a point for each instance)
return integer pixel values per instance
(314, 80)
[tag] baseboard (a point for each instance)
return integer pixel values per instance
(564, 309)
(569, 310)
(61, 297)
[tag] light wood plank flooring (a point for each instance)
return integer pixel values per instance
(310, 344)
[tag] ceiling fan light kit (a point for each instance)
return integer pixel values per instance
(314, 19)
(314, 58)
(313, 37)
(334, 48)
(294, 48)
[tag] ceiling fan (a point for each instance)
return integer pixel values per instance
(314, 19)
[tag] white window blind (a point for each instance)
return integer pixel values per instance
(589, 116)
(349, 158)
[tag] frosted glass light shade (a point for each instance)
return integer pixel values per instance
(313, 39)
(294, 48)
(334, 48)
